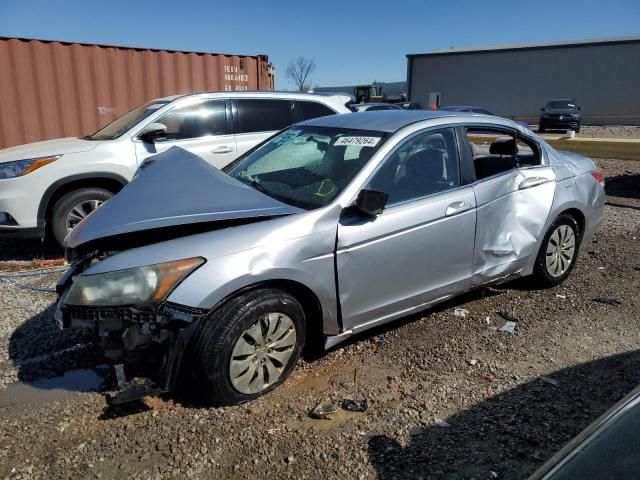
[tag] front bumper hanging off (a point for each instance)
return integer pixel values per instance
(151, 340)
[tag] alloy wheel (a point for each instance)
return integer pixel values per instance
(80, 212)
(261, 353)
(560, 250)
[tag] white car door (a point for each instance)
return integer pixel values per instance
(201, 128)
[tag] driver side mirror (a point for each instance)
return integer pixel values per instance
(371, 202)
(153, 132)
(542, 109)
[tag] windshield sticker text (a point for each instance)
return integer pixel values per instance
(358, 141)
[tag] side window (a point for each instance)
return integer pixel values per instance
(263, 115)
(194, 121)
(494, 151)
(528, 153)
(425, 164)
(314, 110)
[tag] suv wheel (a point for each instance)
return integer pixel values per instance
(73, 207)
(248, 347)
(558, 252)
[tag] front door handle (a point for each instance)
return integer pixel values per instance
(532, 182)
(222, 149)
(456, 208)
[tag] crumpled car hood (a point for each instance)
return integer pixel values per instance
(176, 188)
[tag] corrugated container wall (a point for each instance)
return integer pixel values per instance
(51, 89)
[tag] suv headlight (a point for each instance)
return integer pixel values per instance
(133, 286)
(22, 167)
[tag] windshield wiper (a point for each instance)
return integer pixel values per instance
(86, 137)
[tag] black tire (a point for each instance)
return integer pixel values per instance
(541, 276)
(212, 346)
(67, 202)
(577, 129)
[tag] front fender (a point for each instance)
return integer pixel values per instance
(221, 278)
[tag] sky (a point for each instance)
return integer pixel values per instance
(350, 42)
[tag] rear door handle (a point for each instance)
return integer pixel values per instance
(532, 182)
(222, 149)
(456, 208)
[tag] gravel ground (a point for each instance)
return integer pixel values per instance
(615, 131)
(449, 397)
(606, 131)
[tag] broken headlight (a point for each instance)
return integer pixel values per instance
(133, 286)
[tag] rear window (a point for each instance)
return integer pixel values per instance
(263, 115)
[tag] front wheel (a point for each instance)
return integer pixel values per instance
(248, 347)
(558, 252)
(73, 207)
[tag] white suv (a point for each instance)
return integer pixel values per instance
(56, 183)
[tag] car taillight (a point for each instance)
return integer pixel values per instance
(598, 176)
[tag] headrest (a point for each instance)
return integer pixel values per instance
(503, 146)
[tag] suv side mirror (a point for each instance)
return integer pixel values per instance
(371, 202)
(579, 108)
(152, 132)
(542, 109)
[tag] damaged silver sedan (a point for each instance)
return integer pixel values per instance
(331, 227)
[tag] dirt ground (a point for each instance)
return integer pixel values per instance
(449, 397)
(605, 131)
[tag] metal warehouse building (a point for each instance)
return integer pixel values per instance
(603, 76)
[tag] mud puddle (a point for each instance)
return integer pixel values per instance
(21, 396)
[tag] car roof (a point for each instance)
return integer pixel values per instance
(384, 120)
(256, 93)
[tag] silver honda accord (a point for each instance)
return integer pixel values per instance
(329, 228)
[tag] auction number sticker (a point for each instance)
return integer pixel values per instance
(358, 141)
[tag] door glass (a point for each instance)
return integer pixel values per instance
(263, 115)
(314, 110)
(528, 153)
(426, 163)
(493, 151)
(194, 121)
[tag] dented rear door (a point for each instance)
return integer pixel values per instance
(512, 209)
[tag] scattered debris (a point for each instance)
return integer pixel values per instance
(324, 410)
(608, 301)
(510, 322)
(355, 405)
(441, 423)
(637, 268)
(551, 381)
(473, 362)
(509, 327)
(489, 391)
(601, 268)
(487, 378)
(488, 319)
(460, 312)
(290, 459)
(273, 431)
(561, 296)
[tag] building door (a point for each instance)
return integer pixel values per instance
(434, 100)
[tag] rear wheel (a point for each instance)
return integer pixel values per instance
(73, 207)
(248, 347)
(558, 252)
